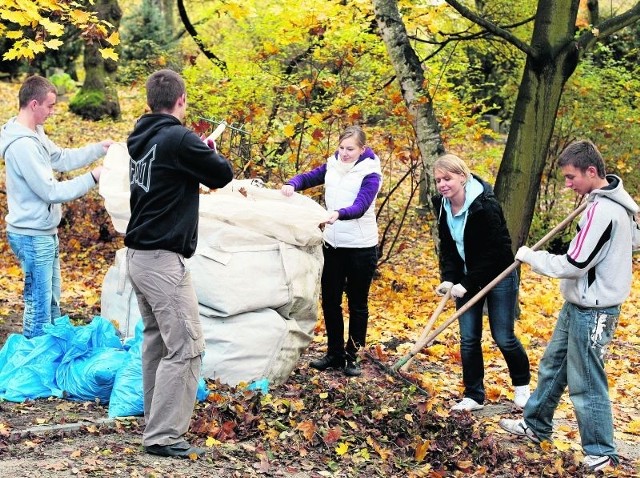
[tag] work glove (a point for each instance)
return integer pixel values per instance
(522, 253)
(458, 291)
(443, 288)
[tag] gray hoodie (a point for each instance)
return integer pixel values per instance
(596, 271)
(33, 193)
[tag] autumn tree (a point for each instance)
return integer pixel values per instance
(552, 55)
(36, 26)
(410, 76)
(98, 97)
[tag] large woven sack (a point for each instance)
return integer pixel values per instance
(118, 301)
(256, 272)
(251, 346)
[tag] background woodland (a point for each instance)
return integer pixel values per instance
(504, 86)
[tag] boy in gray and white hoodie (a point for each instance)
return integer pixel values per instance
(595, 278)
(34, 197)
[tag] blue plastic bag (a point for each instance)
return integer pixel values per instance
(127, 396)
(28, 366)
(88, 368)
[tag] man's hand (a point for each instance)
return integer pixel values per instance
(443, 288)
(522, 253)
(96, 172)
(106, 143)
(287, 190)
(458, 291)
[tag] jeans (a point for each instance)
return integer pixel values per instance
(40, 261)
(575, 358)
(501, 303)
(349, 269)
(172, 343)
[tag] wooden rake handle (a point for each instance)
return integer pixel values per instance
(425, 342)
(427, 328)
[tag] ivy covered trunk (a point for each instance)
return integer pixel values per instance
(98, 97)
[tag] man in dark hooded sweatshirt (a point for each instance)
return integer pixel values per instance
(167, 165)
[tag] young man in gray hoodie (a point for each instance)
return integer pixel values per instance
(595, 278)
(34, 197)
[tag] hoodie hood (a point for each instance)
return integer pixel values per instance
(616, 193)
(147, 127)
(12, 131)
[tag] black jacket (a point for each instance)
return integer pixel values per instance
(167, 164)
(487, 244)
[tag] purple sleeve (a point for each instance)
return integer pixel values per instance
(367, 194)
(315, 177)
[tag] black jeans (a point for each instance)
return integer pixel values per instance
(350, 270)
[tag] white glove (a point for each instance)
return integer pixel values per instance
(522, 253)
(443, 288)
(458, 291)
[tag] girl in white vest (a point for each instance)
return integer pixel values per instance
(352, 177)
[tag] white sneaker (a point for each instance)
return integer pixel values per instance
(521, 395)
(597, 463)
(518, 427)
(467, 404)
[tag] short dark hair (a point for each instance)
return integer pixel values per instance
(35, 88)
(581, 155)
(164, 87)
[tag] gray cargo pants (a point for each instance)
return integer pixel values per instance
(172, 344)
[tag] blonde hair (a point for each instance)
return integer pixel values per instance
(452, 164)
(355, 131)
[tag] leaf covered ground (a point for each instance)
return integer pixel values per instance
(316, 424)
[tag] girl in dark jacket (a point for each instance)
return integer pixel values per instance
(475, 248)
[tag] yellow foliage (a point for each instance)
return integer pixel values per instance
(109, 54)
(114, 39)
(342, 448)
(422, 447)
(53, 28)
(36, 15)
(53, 44)
(633, 427)
(212, 442)
(289, 130)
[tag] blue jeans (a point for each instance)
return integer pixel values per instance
(40, 261)
(575, 358)
(350, 270)
(501, 305)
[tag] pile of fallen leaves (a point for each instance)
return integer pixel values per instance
(324, 424)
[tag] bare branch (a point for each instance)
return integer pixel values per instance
(608, 27)
(491, 27)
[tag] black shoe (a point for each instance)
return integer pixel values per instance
(328, 361)
(181, 449)
(352, 369)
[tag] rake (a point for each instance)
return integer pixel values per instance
(425, 340)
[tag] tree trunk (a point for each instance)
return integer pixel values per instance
(411, 77)
(554, 56)
(166, 7)
(98, 97)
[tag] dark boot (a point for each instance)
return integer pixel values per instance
(352, 369)
(328, 361)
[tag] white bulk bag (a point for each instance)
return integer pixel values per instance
(118, 301)
(256, 272)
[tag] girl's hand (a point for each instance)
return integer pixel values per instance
(334, 217)
(287, 190)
